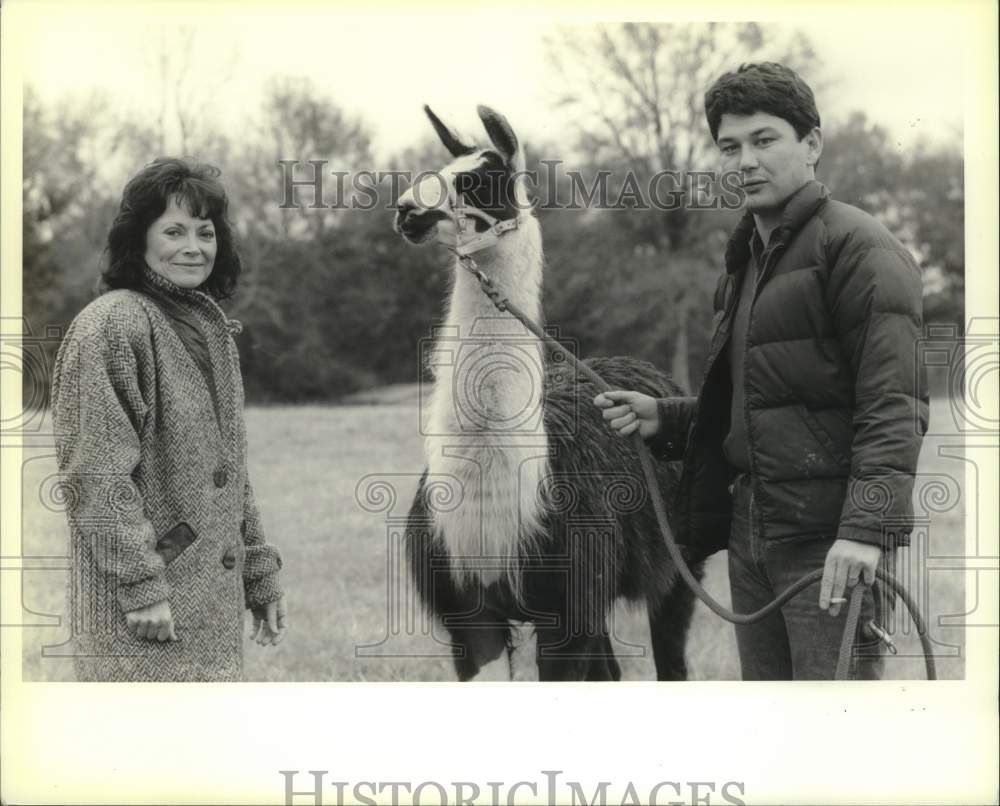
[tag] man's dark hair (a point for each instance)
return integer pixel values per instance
(762, 87)
(144, 199)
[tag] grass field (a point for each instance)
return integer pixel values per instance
(306, 463)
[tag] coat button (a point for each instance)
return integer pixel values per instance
(243, 528)
(229, 560)
(220, 477)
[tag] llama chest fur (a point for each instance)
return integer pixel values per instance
(486, 441)
(485, 427)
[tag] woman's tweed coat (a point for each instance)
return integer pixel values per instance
(158, 499)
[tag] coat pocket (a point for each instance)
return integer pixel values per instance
(832, 442)
(170, 546)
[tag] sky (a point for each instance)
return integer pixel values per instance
(905, 70)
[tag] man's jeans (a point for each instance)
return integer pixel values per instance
(800, 642)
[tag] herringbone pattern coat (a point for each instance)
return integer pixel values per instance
(157, 495)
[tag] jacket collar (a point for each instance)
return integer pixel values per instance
(799, 208)
(157, 285)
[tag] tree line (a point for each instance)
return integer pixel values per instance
(332, 301)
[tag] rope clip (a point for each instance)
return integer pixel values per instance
(874, 631)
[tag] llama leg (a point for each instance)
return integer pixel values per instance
(570, 616)
(604, 665)
(586, 655)
(559, 659)
(481, 653)
(669, 620)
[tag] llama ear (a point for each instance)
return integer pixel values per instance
(451, 140)
(499, 130)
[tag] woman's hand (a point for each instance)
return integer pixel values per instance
(269, 623)
(626, 412)
(153, 622)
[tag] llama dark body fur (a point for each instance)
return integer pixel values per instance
(601, 541)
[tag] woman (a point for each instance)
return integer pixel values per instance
(148, 405)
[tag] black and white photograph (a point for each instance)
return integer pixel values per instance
(504, 405)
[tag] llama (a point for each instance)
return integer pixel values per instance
(547, 518)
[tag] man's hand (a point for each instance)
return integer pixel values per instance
(634, 410)
(846, 562)
(269, 623)
(153, 622)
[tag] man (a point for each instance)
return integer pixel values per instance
(800, 450)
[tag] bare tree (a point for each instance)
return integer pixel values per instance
(299, 123)
(186, 86)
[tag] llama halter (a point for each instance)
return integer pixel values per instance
(469, 241)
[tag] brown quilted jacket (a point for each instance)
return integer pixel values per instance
(836, 401)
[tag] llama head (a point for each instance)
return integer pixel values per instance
(489, 179)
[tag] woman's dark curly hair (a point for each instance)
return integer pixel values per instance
(764, 87)
(143, 201)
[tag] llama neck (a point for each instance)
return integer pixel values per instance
(514, 264)
(487, 432)
(497, 364)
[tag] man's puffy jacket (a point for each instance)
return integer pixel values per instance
(836, 404)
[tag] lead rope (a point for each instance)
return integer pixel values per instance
(646, 460)
(850, 633)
